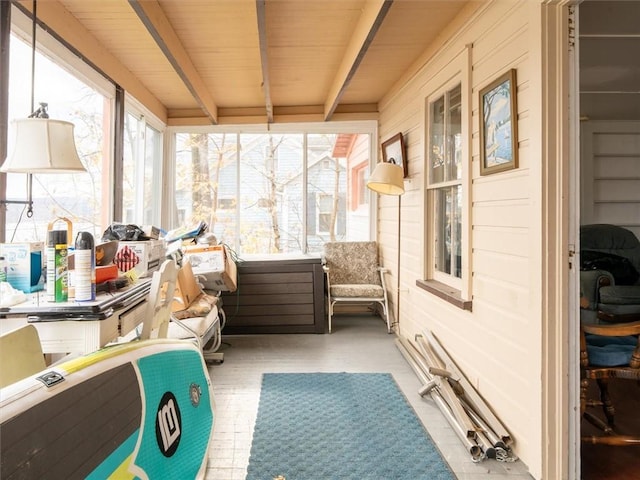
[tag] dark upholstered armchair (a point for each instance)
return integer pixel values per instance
(609, 276)
(354, 276)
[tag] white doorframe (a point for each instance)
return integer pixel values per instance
(574, 244)
(560, 448)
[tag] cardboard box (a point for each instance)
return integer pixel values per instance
(143, 257)
(151, 231)
(24, 265)
(187, 288)
(213, 266)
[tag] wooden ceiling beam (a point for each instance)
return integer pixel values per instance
(156, 22)
(282, 114)
(370, 20)
(264, 58)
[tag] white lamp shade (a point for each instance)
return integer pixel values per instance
(43, 145)
(387, 179)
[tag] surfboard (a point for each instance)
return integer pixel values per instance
(137, 410)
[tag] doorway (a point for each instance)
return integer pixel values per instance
(608, 158)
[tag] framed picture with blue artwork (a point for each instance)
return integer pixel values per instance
(499, 125)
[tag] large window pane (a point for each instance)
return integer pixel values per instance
(437, 151)
(142, 161)
(271, 207)
(326, 191)
(131, 173)
(338, 206)
(206, 182)
(448, 230)
(454, 134)
(445, 137)
(152, 194)
(445, 174)
(78, 197)
(280, 193)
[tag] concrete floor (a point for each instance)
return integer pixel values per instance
(358, 343)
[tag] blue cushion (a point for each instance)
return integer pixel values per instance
(610, 351)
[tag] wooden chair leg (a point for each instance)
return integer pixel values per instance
(607, 404)
(584, 387)
(592, 419)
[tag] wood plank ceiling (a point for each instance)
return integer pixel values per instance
(609, 46)
(255, 61)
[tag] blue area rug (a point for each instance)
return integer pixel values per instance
(342, 426)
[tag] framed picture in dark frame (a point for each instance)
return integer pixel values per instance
(393, 151)
(499, 125)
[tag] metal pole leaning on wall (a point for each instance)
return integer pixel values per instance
(413, 358)
(475, 401)
(482, 434)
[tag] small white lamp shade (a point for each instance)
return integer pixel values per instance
(43, 145)
(387, 178)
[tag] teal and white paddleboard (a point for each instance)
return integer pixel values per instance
(138, 410)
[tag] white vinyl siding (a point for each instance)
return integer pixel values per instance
(498, 343)
(611, 173)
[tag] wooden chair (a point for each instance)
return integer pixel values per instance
(20, 355)
(354, 275)
(608, 351)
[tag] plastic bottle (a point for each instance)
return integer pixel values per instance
(85, 268)
(57, 282)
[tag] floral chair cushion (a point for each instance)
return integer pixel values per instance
(352, 263)
(351, 290)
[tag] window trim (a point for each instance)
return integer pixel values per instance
(358, 188)
(445, 292)
(319, 197)
(456, 291)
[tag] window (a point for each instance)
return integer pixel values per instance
(445, 185)
(284, 192)
(359, 197)
(74, 93)
(447, 114)
(226, 203)
(325, 209)
(142, 168)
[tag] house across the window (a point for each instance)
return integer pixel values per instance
(226, 203)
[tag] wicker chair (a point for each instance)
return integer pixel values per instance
(354, 276)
